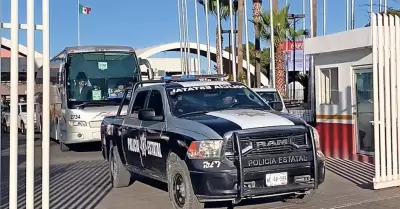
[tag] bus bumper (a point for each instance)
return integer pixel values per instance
(76, 135)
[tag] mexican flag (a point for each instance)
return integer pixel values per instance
(84, 9)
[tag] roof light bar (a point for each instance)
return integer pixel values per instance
(192, 77)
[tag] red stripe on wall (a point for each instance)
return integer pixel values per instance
(337, 141)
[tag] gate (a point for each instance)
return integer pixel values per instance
(386, 77)
(14, 26)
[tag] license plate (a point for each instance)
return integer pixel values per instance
(276, 179)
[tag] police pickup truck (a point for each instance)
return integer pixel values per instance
(211, 141)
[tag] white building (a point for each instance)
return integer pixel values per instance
(344, 92)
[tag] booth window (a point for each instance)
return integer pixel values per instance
(329, 86)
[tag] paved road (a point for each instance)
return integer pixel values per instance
(79, 179)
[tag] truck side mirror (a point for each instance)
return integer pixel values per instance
(148, 115)
(150, 72)
(278, 106)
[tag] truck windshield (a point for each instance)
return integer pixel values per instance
(188, 100)
(99, 77)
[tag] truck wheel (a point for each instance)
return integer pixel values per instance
(120, 176)
(64, 147)
(180, 187)
(22, 129)
(298, 199)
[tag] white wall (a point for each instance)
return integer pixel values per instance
(345, 61)
(347, 40)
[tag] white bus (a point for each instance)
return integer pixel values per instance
(86, 86)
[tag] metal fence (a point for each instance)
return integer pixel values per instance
(300, 106)
(386, 76)
(14, 26)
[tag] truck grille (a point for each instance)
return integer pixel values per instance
(269, 145)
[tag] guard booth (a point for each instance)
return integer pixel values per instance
(15, 28)
(357, 98)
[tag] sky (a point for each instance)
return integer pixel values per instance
(144, 23)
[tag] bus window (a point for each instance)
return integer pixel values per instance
(100, 76)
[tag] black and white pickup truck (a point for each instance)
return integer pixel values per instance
(211, 141)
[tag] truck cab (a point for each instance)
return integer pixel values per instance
(211, 141)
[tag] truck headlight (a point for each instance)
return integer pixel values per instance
(205, 149)
(77, 123)
(315, 136)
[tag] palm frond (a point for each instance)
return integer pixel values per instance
(283, 30)
(212, 7)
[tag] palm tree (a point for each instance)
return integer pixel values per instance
(283, 30)
(224, 12)
(257, 35)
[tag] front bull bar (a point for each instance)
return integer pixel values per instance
(240, 169)
(239, 165)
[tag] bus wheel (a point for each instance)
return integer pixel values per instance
(64, 147)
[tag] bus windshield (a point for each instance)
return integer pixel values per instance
(99, 77)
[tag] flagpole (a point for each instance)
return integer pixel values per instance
(324, 18)
(371, 10)
(79, 27)
(352, 14)
(347, 14)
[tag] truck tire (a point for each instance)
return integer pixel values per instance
(64, 147)
(120, 176)
(299, 199)
(180, 188)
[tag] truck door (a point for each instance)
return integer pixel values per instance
(156, 140)
(130, 131)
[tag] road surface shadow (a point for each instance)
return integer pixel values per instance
(82, 184)
(153, 183)
(359, 173)
(5, 167)
(249, 202)
(5, 140)
(164, 187)
(81, 147)
(86, 147)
